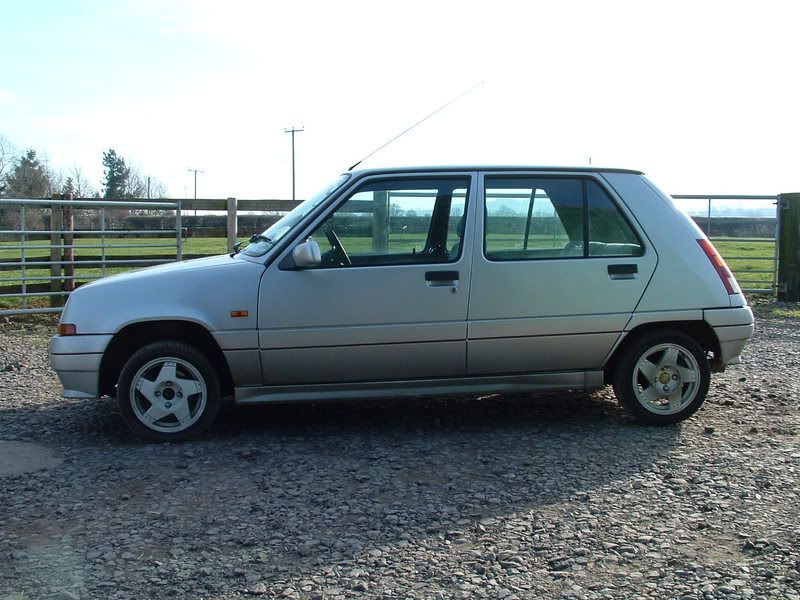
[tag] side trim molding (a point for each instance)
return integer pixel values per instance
(420, 387)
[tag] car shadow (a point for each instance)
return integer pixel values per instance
(320, 484)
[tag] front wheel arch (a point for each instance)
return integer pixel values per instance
(168, 391)
(132, 337)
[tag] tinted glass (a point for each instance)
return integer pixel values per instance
(609, 232)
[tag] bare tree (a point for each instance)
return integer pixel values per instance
(83, 189)
(144, 186)
(136, 184)
(157, 188)
(8, 154)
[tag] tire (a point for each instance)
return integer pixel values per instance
(168, 391)
(662, 377)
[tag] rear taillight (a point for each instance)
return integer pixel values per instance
(728, 280)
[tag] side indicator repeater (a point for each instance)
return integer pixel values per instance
(239, 313)
(67, 329)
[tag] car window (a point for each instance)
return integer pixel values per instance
(262, 243)
(530, 218)
(402, 221)
(609, 232)
(533, 218)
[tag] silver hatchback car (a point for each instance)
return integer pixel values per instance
(421, 281)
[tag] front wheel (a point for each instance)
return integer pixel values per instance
(662, 377)
(168, 391)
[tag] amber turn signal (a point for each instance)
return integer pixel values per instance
(67, 329)
(239, 313)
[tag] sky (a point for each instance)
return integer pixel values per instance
(702, 96)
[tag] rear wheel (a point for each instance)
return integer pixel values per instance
(168, 391)
(662, 377)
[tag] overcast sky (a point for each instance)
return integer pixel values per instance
(703, 96)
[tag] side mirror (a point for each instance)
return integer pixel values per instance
(307, 255)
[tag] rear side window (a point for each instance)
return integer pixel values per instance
(609, 232)
(553, 217)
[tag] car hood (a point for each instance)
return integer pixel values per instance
(203, 290)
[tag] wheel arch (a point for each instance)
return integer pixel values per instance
(700, 331)
(136, 335)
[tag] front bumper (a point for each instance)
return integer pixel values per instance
(76, 359)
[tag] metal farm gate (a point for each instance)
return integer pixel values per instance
(47, 247)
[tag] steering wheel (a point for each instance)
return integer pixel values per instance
(336, 246)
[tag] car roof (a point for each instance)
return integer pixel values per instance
(470, 168)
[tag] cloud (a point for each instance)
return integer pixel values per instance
(5, 97)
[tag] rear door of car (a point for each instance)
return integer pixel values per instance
(389, 300)
(559, 265)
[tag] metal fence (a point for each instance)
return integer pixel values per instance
(44, 238)
(45, 263)
(742, 260)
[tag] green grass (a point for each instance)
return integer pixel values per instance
(770, 308)
(745, 257)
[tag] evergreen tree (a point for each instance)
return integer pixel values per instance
(116, 175)
(69, 187)
(28, 179)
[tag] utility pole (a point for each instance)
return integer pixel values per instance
(293, 130)
(195, 171)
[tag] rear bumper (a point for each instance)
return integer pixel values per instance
(76, 360)
(733, 326)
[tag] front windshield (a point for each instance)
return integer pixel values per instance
(263, 242)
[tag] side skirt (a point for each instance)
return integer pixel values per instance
(420, 387)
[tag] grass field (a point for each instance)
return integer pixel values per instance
(745, 258)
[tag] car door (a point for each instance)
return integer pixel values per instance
(388, 300)
(558, 268)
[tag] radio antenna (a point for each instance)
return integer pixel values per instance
(441, 108)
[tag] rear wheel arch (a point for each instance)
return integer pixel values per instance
(131, 338)
(662, 376)
(700, 331)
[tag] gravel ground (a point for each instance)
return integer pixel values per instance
(561, 497)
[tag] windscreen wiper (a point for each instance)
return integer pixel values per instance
(256, 237)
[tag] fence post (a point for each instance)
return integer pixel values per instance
(789, 247)
(380, 221)
(69, 251)
(55, 253)
(233, 230)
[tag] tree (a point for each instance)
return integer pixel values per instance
(116, 175)
(83, 189)
(144, 186)
(30, 178)
(69, 187)
(7, 153)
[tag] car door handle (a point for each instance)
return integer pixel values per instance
(441, 277)
(625, 271)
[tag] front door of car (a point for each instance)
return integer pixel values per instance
(388, 301)
(571, 265)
